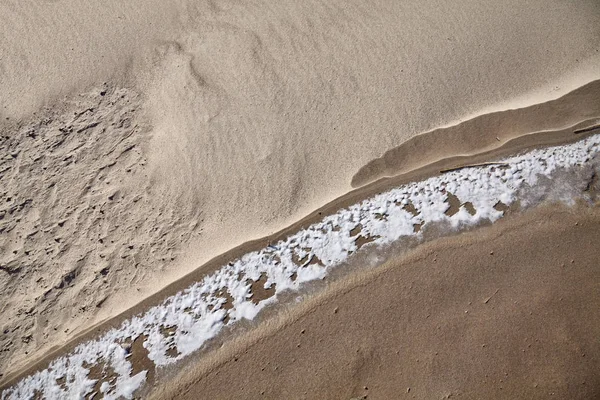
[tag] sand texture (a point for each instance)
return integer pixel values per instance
(474, 316)
(139, 140)
(79, 219)
(179, 320)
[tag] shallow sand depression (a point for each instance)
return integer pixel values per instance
(140, 140)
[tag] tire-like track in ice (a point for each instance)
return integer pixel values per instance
(239, 290)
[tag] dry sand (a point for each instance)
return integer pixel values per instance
(477, 316)
(141, 139)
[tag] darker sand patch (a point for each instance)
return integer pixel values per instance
(167, 332)
(410, 207)
(259, 290)
(500, 206)
(356, 230)
(101, 373)
(361, 239)
(364, 240)
(417, 227)
(62, 382)
(469, 207)
(140, 360)
(453, 204)
(226, 305)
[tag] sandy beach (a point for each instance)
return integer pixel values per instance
(145, 340)
(145, 144)
(467, 317)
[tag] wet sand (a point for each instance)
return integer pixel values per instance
(507, 311)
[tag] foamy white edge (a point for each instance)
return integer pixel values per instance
(196, 314)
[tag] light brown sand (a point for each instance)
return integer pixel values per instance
(244, 117)
(504, 312)
(583, 183)
(78, 220)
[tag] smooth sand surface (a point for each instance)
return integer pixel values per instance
(480, 315)
(141, 139)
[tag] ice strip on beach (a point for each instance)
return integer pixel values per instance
(184, 322)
